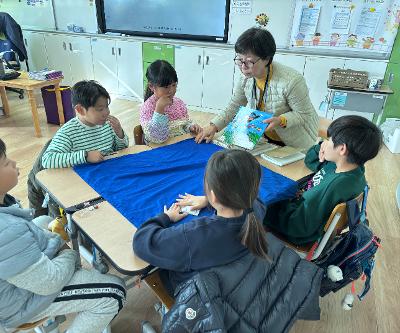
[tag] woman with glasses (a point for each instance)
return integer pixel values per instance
(271, 87)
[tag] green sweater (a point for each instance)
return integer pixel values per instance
(301, 220)
(74, 139)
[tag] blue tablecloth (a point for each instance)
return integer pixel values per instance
(139, 185)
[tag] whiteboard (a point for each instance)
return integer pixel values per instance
(78, 12)
(280, 12)
(30, 14)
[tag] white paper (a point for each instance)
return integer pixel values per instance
(242, 7)
(341, 18)
(368, 22)
(309, 19)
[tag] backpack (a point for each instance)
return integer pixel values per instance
(352, 251)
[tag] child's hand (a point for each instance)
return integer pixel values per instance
(116, 126)
(173, 213)
(195, 129)
(196, 202)
(321, 154)
(94, 156)
(162, 103)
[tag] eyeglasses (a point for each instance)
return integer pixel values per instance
(247, 63)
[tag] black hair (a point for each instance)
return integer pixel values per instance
(160, 73)
(234, 177)
(258, 41)
(362, 138)
(2, 149)
(86, 93)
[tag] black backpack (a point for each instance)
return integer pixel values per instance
(352, 251)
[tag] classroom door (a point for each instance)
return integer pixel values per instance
(105, 63)
(316, 74)
(81, 59)
(392, 79)
(189, 68)
(58, 55)
(35, 46)
(130, 68)
(217, 78)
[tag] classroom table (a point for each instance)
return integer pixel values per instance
(25, 83)
(116, 242)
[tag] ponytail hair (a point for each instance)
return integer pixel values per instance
(160, 73)
(253, 236)
(234, 177)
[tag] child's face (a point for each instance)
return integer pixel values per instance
(95, 115)
(8, 174)
(333, 154)
(169, 91)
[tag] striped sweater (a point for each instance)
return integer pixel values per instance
(158, 127)
(71, 142)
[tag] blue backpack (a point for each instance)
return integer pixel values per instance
(352, 251)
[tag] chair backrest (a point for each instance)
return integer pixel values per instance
(138, 135)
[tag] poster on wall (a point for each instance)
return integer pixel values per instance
(369, 26)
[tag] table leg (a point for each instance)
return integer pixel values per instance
(4, 100)
(35, 114)
(60, 108)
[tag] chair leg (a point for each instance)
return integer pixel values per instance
(147, 328)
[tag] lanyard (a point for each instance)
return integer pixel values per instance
(264, 91)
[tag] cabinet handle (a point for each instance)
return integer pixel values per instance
(26, 43)
(391, 77)
(113, 51)
(207, 60)
(70, 46)
(199, 60)
(119, 51)
(64, 46)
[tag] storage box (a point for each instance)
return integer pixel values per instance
(50, 104)
(348, 78)
(391, 134)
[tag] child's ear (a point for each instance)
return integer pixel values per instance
(80, 109)
(343, 151)
(151, 87)
(212, 198)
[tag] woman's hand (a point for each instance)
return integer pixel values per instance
(207, 133)
(273, 122)
(195, 129)
(196, 202)
(173, 213)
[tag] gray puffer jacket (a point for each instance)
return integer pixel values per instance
(249, 295)
(22, 244)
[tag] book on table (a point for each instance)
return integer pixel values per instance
(283, 155)
(246, 131)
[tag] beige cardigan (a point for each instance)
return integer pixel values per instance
(288, 96)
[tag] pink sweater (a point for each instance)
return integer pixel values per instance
(158, 127)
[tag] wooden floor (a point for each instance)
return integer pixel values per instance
(379, 312)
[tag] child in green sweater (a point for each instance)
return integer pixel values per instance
(338, 164)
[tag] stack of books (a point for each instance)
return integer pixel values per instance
(45, 75)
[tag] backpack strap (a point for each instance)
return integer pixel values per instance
(363, 216)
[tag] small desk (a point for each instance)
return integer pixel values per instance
(360, 100)
(115, 239)
(24, 82)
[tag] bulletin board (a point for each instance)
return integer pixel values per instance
(362, 26)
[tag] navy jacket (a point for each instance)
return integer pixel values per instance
(13, 33)
(184, 249)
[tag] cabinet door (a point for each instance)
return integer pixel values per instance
(375, 68)
(105, 63)
(130, 70)
(58, 55)
(296, 62)
(189, 67)
(392, 79)
(316, 74)
(35, 46)
(80, 55)
(217, 78)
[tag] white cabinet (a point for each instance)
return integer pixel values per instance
(205, 76)
(118, 66)
(35, 47)
(375, 68)
(70, 54)
(296, 62)
(316, 74)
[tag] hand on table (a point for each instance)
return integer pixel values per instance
(196, 202)
(207, 133)
(94, 156)
(173, 213)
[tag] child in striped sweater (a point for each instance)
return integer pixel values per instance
(91, 135)
(163, 115)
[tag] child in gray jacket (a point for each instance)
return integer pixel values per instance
(38, 279)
